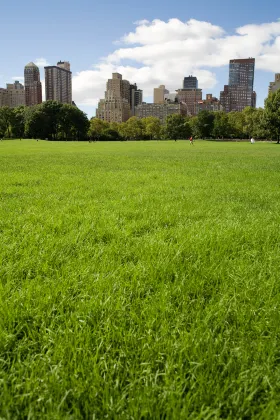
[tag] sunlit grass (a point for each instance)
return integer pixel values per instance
(139, 280)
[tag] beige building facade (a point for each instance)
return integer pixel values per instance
(159, 94)
(116, 105)
(160, 111)
(16, 94)
(13, 95)
(273, 86)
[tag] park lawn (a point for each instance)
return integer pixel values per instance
(139, 280)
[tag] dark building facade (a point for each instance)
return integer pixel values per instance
(239, 93)
(136, 98)
(32, 84)
(190, 82)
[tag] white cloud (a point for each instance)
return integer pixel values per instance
(19, 78)
(161, 52)
(41, 62)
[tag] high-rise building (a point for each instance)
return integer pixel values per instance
(273, 86)
(159, 94)
(190, 97)
(239, 93)
(116, 105)
(160, 111)
(190, 82)
(58, 83)
(136, 97)
(33, 86)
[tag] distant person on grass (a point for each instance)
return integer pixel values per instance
(253, 140)
(191, 140)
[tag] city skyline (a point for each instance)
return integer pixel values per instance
(186, 36)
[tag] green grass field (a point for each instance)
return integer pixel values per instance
(139, 280)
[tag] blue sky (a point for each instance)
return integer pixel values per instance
(84, 32)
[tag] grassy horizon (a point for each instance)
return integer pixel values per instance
(139, 280)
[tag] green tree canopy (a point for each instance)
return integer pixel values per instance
(272, 115)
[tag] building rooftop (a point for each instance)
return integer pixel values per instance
(31, 64)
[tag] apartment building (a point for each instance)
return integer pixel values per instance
(160, 111)
(3, 97)
(190, 98)
(16, 94)
(13, 95)
(58, 83)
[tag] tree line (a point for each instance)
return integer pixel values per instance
(50, 120)
(260, 123)
(55, 121)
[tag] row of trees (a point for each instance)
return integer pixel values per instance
(55, 121)
(50, 120)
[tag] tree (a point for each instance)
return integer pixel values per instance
(236, 124)
(110, 135)
(6, 115)
(272, 115)
(194, 127)
(205, 121)
(66, 119)
(18, 119)
(177, 127)
(51, 110)
(135, 128)
(36, 123)
(151, 127)
(124, 130)
(221, 127)
(97, 127)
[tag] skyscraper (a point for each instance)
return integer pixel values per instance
(190, 82)
(58, 83)
(239, 93)
(33, 86)
(116, 105)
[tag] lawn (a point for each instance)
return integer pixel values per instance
(139, 280)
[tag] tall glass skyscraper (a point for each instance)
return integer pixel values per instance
(239, 93)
